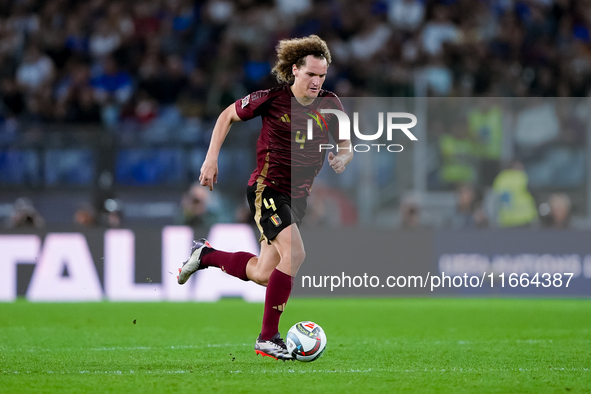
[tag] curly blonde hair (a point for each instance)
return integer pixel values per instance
(294, 51)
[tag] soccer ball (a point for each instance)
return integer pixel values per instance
(306, 341)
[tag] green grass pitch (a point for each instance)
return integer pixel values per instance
(374, 345)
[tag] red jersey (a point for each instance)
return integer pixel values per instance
(287, 160)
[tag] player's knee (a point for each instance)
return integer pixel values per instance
(261, 278)
(298, 256)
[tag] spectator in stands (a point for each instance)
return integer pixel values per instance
(25, 215)
(406, 15)
(518, 48)
(536, 124)
(76, 41)
(112, 213)
(35, 71)
(113, 219)
(120, 19)
(172, 81)
(195, 206)
(370, 40)
(168, 42)
(556, 213)
(193, 98)
(329, 207)
(22, 19)
(145, 20)
(12, 98)
(84, 108)
(85, 215)
(12, 44)
(149, 74)
(104, 41)
(198, 56)
(410, 213)
(145, 109)
(76, 76)
(458, 155)
(75, 96)
(439, 31)
(485, 128)
(469, 212)
(515, 206)
(113, 85)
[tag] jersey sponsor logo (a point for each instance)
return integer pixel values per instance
(285, 118)
(276, 220)
(245, 101)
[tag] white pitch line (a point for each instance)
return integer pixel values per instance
(200, 372)
(182, 347)
(214, 345)
(313, 371)
(113, 348)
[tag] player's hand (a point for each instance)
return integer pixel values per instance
(336, 163)
(209, 174)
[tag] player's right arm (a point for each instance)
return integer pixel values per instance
(209, 169)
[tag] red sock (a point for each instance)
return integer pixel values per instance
(231, 263)
(278, 290)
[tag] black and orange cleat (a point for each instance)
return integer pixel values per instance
(274, 348)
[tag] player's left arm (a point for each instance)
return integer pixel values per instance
(341, 159)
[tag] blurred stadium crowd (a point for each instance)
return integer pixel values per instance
(155, 74)
(71, 61)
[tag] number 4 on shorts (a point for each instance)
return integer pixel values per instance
(269, 204)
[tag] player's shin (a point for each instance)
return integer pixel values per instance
(278, 291)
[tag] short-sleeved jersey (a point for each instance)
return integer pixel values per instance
(287, 160)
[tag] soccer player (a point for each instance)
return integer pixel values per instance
(287, 163)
